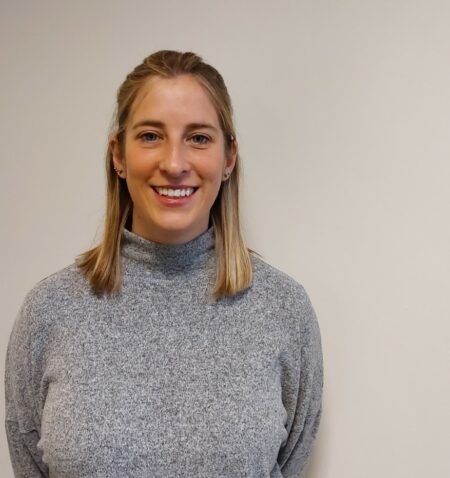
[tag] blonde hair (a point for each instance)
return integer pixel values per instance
(101, 265)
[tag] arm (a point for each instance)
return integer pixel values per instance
(306, 392)
(25, 458)
(22, 422)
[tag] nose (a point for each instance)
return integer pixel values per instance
(174, 161)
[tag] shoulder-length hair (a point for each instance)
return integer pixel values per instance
(102, 265)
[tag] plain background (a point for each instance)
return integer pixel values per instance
(343, 117)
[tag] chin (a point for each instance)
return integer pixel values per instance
(175, 225)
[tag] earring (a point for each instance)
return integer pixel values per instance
(117, 171)
(226, 175)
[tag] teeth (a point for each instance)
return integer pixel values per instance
(175, 192)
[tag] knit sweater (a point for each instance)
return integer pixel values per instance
(159, 380)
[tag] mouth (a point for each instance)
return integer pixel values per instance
(175, 193)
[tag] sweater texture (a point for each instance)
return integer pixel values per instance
(159, 380)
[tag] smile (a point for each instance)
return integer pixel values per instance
(174, 193)
(174, 197)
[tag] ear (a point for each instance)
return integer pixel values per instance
(231, 157)
(118, 160)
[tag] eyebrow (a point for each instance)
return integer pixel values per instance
(160, 124)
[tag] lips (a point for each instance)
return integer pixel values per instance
(173, 201)
(190, 188)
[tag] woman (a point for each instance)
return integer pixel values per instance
(170, 349)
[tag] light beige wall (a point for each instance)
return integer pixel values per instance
(343, 112)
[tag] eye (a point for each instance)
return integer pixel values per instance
(149, 137)
(200, 139)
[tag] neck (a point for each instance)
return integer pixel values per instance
(167, 256)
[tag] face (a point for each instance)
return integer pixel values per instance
(174, 159)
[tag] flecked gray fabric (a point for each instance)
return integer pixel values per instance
(159, 381)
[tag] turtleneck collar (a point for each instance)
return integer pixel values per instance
(168, 257)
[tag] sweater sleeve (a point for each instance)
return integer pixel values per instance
(304, 394)
(22, 421)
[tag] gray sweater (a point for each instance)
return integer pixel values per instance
(159, 381)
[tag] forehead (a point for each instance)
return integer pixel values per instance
(180, 99)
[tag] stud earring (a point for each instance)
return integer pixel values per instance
(117, 171)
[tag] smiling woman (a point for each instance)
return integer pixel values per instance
(171, 348)
(173, 145)
(164, 107)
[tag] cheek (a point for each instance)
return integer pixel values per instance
(211, 174)
(212, 168)
(139, 163)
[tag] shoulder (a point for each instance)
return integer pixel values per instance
(276, 283)
(58, 285)
(279, 289)
(51, 293)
